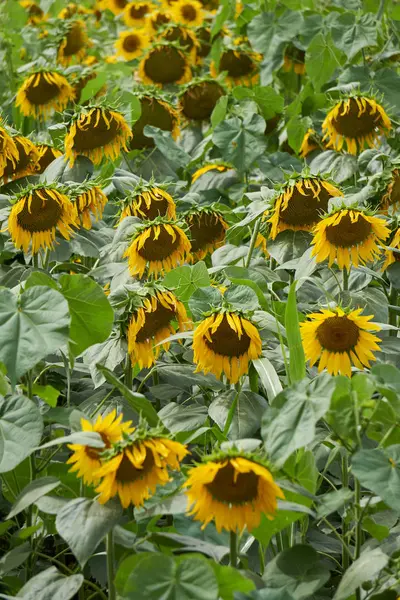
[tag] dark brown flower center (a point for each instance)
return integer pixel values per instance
(346, 233)
(121, 3)
(42, 214)
(159, 20)
(199, 101)
(43, 92)
(21, 164)
(226, 342)
(165, 65)
(157, 208)
(138, 12)
(153, 113)
(353, 125)
(305, 210)
(89, 136)
(93, 452)
(159, 249)
(131, 43)
(154, 322)
(189, 13)
(237, 64)
(177, 34)
(205, 229)
(338, 334)
(225, 489)
(75, 39)
(127, 473)
(45, 160)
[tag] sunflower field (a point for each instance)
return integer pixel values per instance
(199, 299)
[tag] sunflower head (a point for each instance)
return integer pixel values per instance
(158, 19)
(240, 65)
(116, 6)
(97, 132)
(47, 154)
(219, 167)
(164, 64)
(355, 121)
(207, 231)
(188, 12)
(310, 143)
(148, 201)
(89, 200)
(157, 246)
(36, 14)
(349, 236)
(301, 204)
(132, 43)
(25, 164)
(9, 153)
(44, 92)
(232, 488)
(294, 59)
(74, 42)
(136, 13)
(199, 98)
(391, 256)
(184, 37)
(390, 201)
(155, 111)
(338, 339)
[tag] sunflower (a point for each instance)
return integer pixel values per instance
(233, 490)
(160, 245)
(184, 37)
(46, 156)
(391, 199)
(151, 324)
(241, 67)
(203, 35)
(294, 59)
(348, 236)
(225, 342)
(72, 9)
(338, 339)
(158, 19)
(36, 14)
(28, 156)
(148, 202)
(220, 167)
(199, 99)
(86, 459)
(164, 64)
(309, 143)
(8, 150)
(116, 6)
(207, 231)
(74, 43)
(44, 92)
(301, 204)
(136, 470)
(391, 256)
(356, 120)
(132, 43)
(136, 13)
(90, 200)
(188, 12)
(39, 212)
(155, 112)
(97, 132)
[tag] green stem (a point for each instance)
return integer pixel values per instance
(231, 412)
(381, 10)
(35, 261)
(392, 313)
(345, 483)
(128, 372)
(253, 240)
(68, 374)
(358, 541)
(233, 549)
(110, 565)
(346, 274)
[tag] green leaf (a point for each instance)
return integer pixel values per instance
(32, 492)
(93, 86)
(187, 279)
(83, 523)
(226, 11)
(179, 417)
(165, 143)
(379, 471)
(85, 438)
(46, 393)
(246, 417)
(269, 377)
(203, 300)
(351, 33)
(14, 558)
(365, 568)
(332, 501)
(51, 585)
(340, 166)
(242, 297)
(231, 581)
(32, 326)
(297, 128)
(289, 245)
(297, 364)
(268, 100)
(241, 141)
(219, 112)
(322, 59)
(60, 170)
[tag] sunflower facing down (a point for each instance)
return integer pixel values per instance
(155, 112)
(131, 44)
(187, 12)
(97, 132)
(116, 6)
(38, 213)
(357, 121)
(47, 154)
(199, 99)
(309, 144)
(74, 43)
(220, 167)
(90, 201)
(185, 38)
(158, 19)
(234, 490)
(148, 202)
(338, 339)
(36, 14)
(136, 13)
(348, 236)
(151, 324)
(390, 201)
(164, 64)
(224, 343)
(207, 231)
(8, 150)
(86, 459)
(159, 245)
(390, 255)
(241, 67)
(301, 204)
(44, 92)
(28, 156)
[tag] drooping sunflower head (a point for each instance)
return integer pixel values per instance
(159, 246)
(89, 200)
(309, 144)
(199, 98)
(349, 236)
(390, 201)
(337, 340)
(116, 6)
(234, 489)
(74, 43)
(25, 164)
(86, 459)
(131, 44)
(219, 167)
(207, 231)
(241, 65)
(155, 111)
(36, 14)
(136, 13)
(97, 132)
(294, 59)
(301, 204)
(148, 201)
(188, 12)
(72, 9)
(164, 64)
(158, 19)
(47, 154)
(357, 122)
(43, 92)
(224, 343)
(184, 37)
(8, 149)
(391, 256)
(39, 212)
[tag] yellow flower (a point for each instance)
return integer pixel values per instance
(8, 150)
(157, 113)
(337, 340)
(46, 156)
(73, 45)
(308, 144)
(198, 101)
(136, 13)
(157, 19)
(357, 121)
(391, 256)
(86, 459)
(148, 204)
(44, 92)
(293, 60)
(159, 247)
(72, 9)
(350, 237)
(37, 215)
(207, 232)
(225, 343)
(116, 6)
(186, 39)
(135, 472)
(233, 491)
(132, 43)
(221, 168)
(261, 242)
(97, 133)
(188, 12)
(390, 201)
(90, 202)
(163, 65)
(36, 14)
(28, 156)
(151, 324)
(301, 205)
(241, 67)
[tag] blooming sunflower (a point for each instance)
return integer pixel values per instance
(38, 213)
(86, 459)
(356, 120)
(136, 13)
(131, 44)
(90, 200)
(207, 231)
(8, 150)
(337, 340)
(233, 490)
(159, 245)
(151, 324)
(28, 156)
(97, 132)
(294, 59)
(73, 45)
(164, 64)
(184, 37)
(116, 6)
(390, 256)
(188, 12)
(241, 67)
(391, 199)
(155, 112)
(47, 154)
(199, 99)
(309, 143)
(220, 167)
(148, 202)
(43, 92)
(225, 342)
(348, 236)
(134, 473)
(301, 204)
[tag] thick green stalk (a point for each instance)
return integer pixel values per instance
(233, 549)
(345, 483)
(346, 275)
(253, 240)
(393, 297)
(110, 566)
(358, 541)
